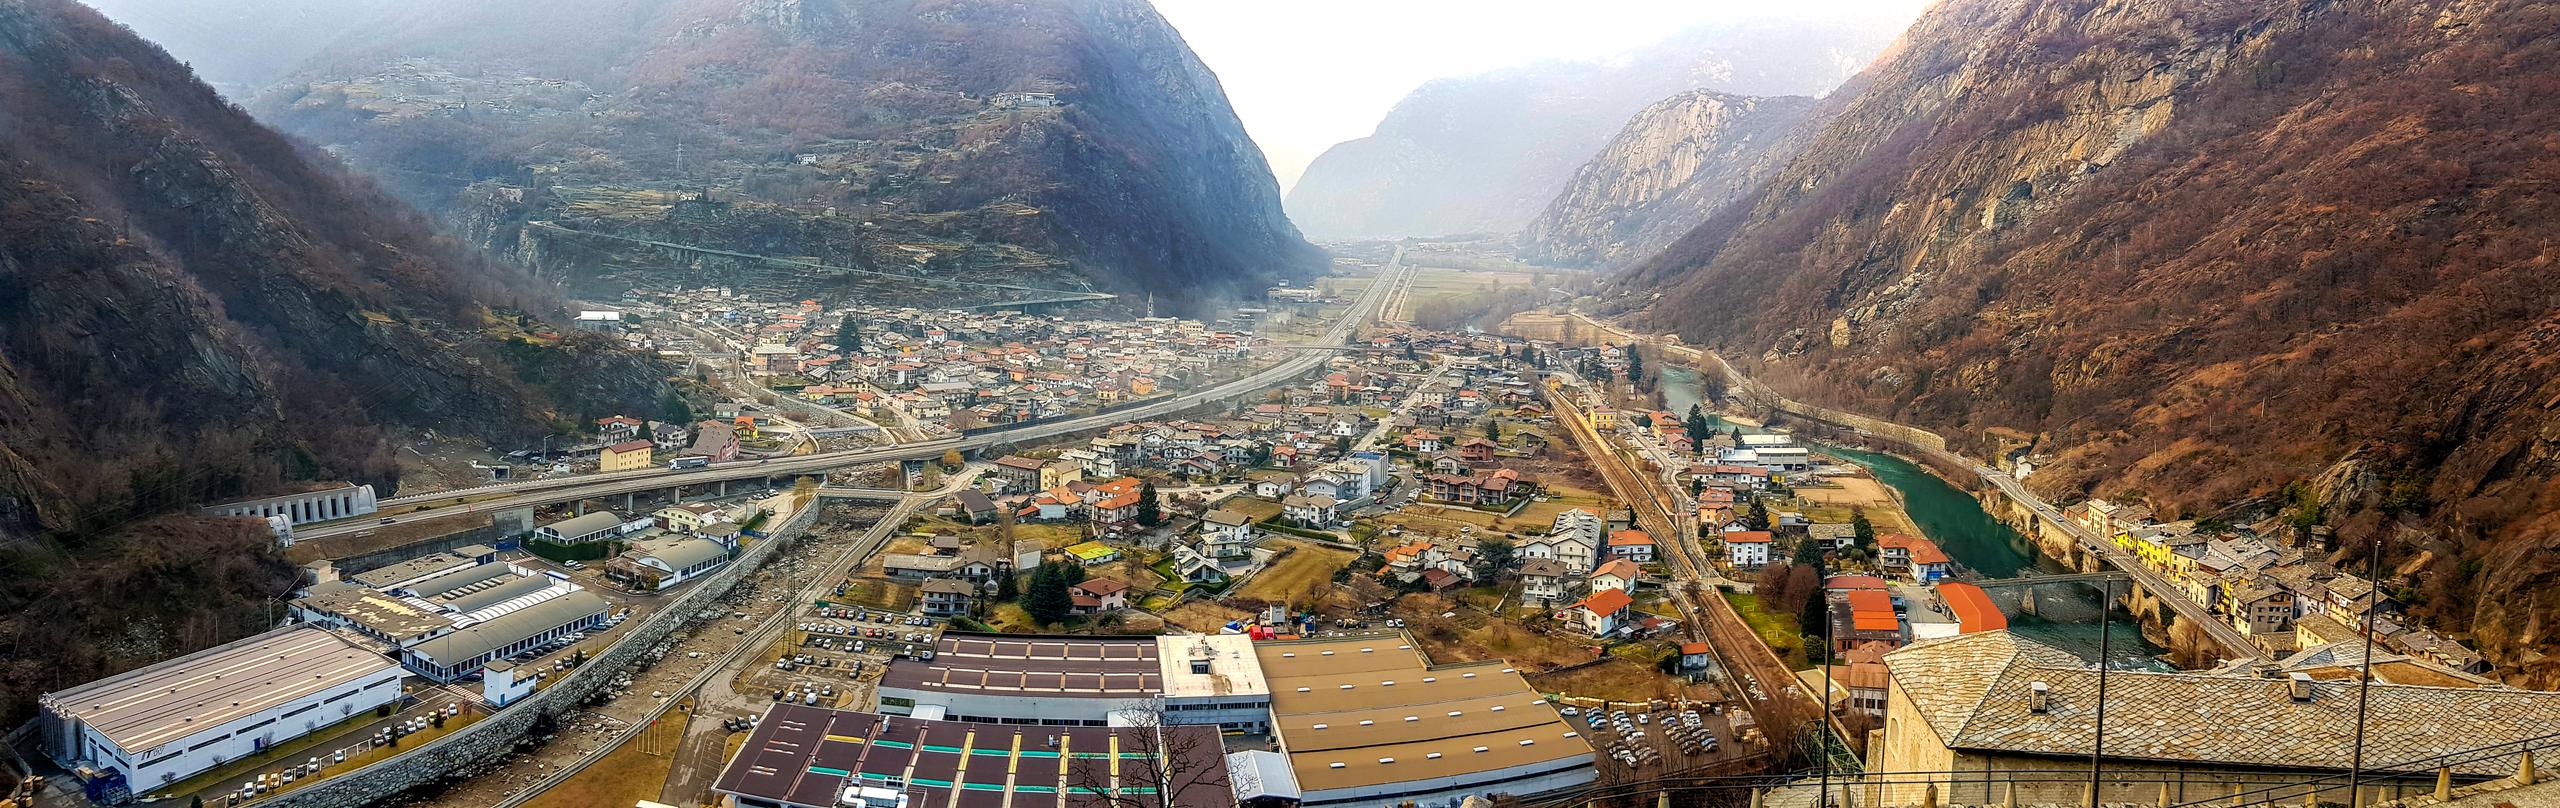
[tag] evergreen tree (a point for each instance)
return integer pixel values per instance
(849, 335)
(1635, 362)
(1493, 430)
(1696, 425)
(1864, 530)
(1756, 517)
(1808, 551)
(1150, 512)
(1048, 601)
(1342, 446)
(1008, 586)
(1737, 436)
(1493, 554)
(646, 433)
(1817, 609)
(673, 409)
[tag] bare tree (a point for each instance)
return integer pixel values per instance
(1184, 764)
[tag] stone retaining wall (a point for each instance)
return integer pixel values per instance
(498, 734)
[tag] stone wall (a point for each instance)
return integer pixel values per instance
(498, 734)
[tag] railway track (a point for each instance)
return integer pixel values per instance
(1736, 647)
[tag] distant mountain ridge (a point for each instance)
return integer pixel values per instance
(1064, 144)
(1677, 162)
(196, 310)
(1486, 154)
(2293, 257)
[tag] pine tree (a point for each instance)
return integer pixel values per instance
(1864, 530)
(1816, 610)
(1048, 601)
(1635, 362)
(646, 433)
(1757, 516)
(1150, 512)
(849, 335)
(1008, 586)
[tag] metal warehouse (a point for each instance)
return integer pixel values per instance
(160, 724)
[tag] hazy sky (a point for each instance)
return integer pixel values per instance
(1306, 74)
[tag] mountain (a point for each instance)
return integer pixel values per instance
(198, 310)
(2207, 253)
(240, 48)
(1486, 153)
(1677, 162)
(1046, 144)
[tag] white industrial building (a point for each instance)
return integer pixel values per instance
(1083, 681)
(166, 722)
(448, 621)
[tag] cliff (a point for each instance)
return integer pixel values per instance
(1675, 164)
(1067, 145)
(2201, 251)
(1485, 154)
(198, 311)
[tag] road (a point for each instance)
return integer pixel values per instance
(740, 654)
(2149, 579)
(529, 493)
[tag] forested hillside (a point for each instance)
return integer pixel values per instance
(2210, 253)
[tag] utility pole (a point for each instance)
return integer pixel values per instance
(1822, 727)
(2364, 678)
(2098, 740)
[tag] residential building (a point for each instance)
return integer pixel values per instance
(1098, 596)
(1748, 550)
(943, 597)
(688, 517)
(1226, 534)
(1601, 614)
(1315, 510)
(630, 455)
(1620, 574)
(1632, 545)
(1912, 556)
(1542, 582)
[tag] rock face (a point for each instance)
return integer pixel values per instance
(197, 310)
(1069, 145)
(2203, 249)
(1678, 162)
(1485, 154)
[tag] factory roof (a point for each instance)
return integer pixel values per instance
(1232, 667)
(1972, 690)
(463, 581)
(584, 525)
(810, 756)
(390, 616)
(411, 570)
(505, 630)
(1370, 711)
(996, 664)
(147, 708)
(515, 587)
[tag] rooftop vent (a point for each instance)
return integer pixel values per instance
(1386, 760)
(1336, 765)
(1482, 749)
(2039, 697)
(1432, 756)
(1413, 718)
(2301, 686)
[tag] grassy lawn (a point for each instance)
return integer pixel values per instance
(635, 771)
(1051, 535)
(1009, 616)
(878, 593)
(1259, 509)
(1305, 568)
(1777, 630)
(1563, 498)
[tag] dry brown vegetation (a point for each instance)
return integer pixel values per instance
(2329, 239)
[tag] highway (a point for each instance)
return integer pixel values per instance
(2149, 579)
(506, 496)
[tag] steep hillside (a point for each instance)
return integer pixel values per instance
(240, 48)
(1485, 154)
(1056, 144)
(2201, 249)
(1677, 162)
(196, 311)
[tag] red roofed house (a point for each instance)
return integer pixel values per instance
(1974, 611)
(1747, 550)
(1695, 656)
(1632, 545)
(1870, 619)
(1600, 614)
(1914, 556)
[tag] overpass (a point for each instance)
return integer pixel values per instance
(532, 493)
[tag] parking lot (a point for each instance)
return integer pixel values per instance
(835, 655)
(1638, 743)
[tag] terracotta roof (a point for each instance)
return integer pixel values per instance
(1607, 601)
(1629, 538)
(1872, 610)
(1748, 537)
(1973, 608)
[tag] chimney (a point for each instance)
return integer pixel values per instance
(2301, 687)
(2039, 697)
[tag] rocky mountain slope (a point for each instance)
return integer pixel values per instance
(1485, 154)
(1677, 162)
(1057, 144)
(197, 310)
(2201, 250)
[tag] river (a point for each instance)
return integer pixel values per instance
(1955, 520)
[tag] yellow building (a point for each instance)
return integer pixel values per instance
(625, 456)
